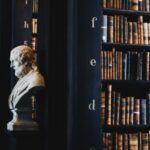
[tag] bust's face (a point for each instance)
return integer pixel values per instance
(19, 68)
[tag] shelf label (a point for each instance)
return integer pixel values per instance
(93, 62)
(94, 19)
(26, 25)
(92, 105)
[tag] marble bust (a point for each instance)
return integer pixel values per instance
(22, 100)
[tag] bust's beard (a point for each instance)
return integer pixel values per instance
(21, 71)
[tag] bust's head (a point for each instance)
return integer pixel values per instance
(22, 60)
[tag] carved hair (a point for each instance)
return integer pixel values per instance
(24, 54)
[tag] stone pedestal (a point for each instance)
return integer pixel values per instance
(23, 120)
(25, 140)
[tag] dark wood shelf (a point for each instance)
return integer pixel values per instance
(133, 82)
(125, 128)
(138, 89)
(127, 46)
(112, 11)
(34, 15)
(34, 34)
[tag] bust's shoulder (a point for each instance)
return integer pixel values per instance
(36, 79)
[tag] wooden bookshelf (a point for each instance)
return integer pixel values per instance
(125, 128)
(125, 67)
(138, 47)
(125, 12)
(128, 82)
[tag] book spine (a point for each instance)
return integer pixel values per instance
(110, 29)
(137, 111)
(135, 33)
(105, 65)
(148, 105)
(134, 4)
(147, 5)
(123, 111)
(120, 141)
(124, 68)
(104, 3)
(127, 110)
(111, 4)
(125, 30)
(130, 33)
(103, 107)
(145, 32)
(110, 65)
(116, 65)
(113, 64)
(126, 143)
(144, 65)
(140, 5)
(104, 28)
(131, 110)
(113, 108)
(123, 4)
(128, 65)
(147, 65)
(102, 65)
(141, 66)
(140, 20)
(120, 65)
(117, 29)
(145, 145)
(134, 65)
(109, 104)
(115, 3)
(144, 5)
(110, 144)
(118, 99)
(121, 29)
(133, 141)
(143, 112)
(129, 4)
(149, 33)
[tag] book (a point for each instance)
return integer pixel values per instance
(103, 107)
(123, 111)
(110, 29)
(136, 113)
(104, 28)
(133, 141)
(143, 112)
(134, 4)
(109, 101)
(145, 139)
(118, 101)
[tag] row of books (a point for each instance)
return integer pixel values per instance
(118, 110)
(126, 141)
(140, 5)
(34, 43)
(127, 65)
(35, 6)
(120, 29)
(34, 25)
